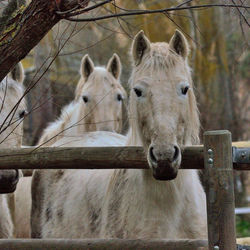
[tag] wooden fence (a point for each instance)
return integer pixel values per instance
(217, 159)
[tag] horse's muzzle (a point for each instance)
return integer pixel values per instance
(8, 181)
(164, 161)
(164, 171)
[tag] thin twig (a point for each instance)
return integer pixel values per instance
(173, 21)
(145, 12)
(85, 10)
(241, 14)
(188, 1)
(13, 110)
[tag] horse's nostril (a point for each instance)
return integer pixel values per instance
(176, 153)
(151, 154)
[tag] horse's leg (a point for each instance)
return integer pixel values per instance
(37, 194)
(23, 208)
(6, 223)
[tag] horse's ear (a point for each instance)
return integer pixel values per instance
(140, 46)
(87, 67)
(179, 44)
(114, 66)
(17, 73)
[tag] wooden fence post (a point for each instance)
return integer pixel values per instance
(219, 190)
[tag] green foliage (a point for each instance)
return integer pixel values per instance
(242, 227)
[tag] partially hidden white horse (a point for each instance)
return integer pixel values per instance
(128, 203)
(12, 111)
(99, 103)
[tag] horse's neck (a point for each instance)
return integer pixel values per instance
(71, 120)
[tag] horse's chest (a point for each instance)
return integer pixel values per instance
(131, 211)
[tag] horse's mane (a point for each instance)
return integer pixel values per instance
(55, 129)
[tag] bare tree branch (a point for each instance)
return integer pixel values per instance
(146, 12)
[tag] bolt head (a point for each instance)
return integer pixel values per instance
(243, 154)
(210, 151)
(210, 161)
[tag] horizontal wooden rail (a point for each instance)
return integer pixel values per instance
(93, 158)
(97, 244)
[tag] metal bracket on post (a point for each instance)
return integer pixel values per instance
(241, 155)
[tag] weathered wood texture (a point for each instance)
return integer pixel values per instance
(107, 244)
(219, 189)
(93, 158)
(27, 28)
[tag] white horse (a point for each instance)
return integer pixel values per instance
(12, 111)
(98, 104)
(128, 203)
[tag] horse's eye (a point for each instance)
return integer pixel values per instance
(119, 97)
(21, 114)
(85, 98)
(184, 90)
(138, 92)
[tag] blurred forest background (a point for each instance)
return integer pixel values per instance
(220, 58)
